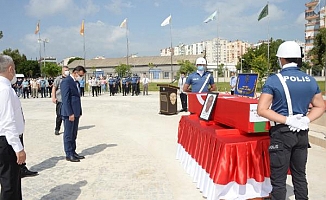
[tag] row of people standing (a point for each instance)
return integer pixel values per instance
(115, 84)
(31, 87)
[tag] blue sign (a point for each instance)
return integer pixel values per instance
(246, 85)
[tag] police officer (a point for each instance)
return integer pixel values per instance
(124, 86)
(138, 85)
(200, 80)
(289, 119)
(128, 84)
(111, 85)
(134, 80)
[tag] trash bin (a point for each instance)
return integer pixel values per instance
(168, 99)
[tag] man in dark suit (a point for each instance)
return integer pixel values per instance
(71, 111)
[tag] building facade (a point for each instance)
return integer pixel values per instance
(315, 19)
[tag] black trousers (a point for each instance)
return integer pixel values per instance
(10, 179)
(112, 89)
(49, 91)
(25, 92)
(288, 149)
(94, 90)
(58, 119)
(134, 88)
(82, 91)
(124, 90)
(183, 97)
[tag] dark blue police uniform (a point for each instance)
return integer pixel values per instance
(196, 81)
(288, 148)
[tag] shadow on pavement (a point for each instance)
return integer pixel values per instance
(86, 127)
(46, 164)
(65, 191)
(96, 149)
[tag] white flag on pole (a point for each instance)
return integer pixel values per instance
(211, 17)
(124, 23)
(166, 21)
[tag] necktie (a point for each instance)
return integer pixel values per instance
(181, 81)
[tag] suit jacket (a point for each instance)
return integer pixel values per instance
(70, 97)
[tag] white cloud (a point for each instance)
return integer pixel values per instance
(100, 39)
(41, 8)
(117, 6)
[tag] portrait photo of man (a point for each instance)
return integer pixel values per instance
(208, 106)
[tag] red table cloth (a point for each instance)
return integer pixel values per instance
(225, 154)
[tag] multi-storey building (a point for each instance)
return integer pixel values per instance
(217, 51)
(315, 19)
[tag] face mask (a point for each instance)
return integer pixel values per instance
(200, 68)
(14, 79)
(79, 78)
(67, 73)
(279, 62)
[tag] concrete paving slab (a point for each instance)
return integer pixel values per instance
(130, 153)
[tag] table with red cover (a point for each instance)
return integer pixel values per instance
(224, 162)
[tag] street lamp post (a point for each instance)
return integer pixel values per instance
(241, 65)
(44, 41)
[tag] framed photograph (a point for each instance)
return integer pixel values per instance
(208, 106)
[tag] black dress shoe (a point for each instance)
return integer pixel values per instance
(78, 156)
(27, 173)
(72, 159)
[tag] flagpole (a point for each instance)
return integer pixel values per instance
(171, 50)
(127, 42)
(84, 47)
(268, 67)
(39, 40)
(217, 45)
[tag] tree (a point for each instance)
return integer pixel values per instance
(260, 66)
(51, 69)
(73, 59)
(29, 68)
(186, 66)
(122, 70)
(1, 35)
(318, 52)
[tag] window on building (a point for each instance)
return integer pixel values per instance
(166, 75)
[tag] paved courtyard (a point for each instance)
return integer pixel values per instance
(130, 153)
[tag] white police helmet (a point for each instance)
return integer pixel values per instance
(201, 61)
(289, 49)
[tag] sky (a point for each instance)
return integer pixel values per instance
(60, 22)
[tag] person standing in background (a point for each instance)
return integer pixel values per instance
(145, 82)
(201, 79)
(233, 82)
(82, 87)
(56, 98)
(183, 95)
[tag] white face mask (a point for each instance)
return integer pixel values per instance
(67, 73)
(14, 79)
(79, 78)
(279, 62)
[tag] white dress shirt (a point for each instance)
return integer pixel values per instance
(11, 115)
(181, 83)
(145, 80)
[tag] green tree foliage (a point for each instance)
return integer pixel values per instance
(51, 69)
(318, 52)
(29, 68)
(259, 56)
(1, 35)
(15, 55)
(122, 70)
(259, 65)
(186, 66)
(73, 59)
